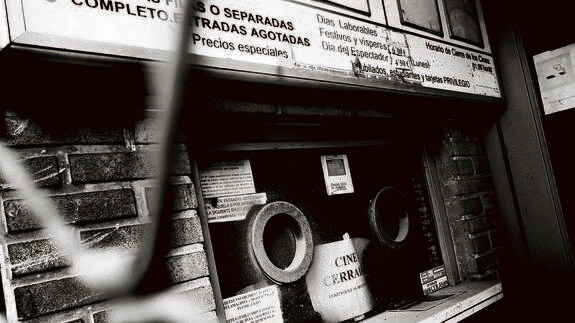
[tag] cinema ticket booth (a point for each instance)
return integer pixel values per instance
(333, 145)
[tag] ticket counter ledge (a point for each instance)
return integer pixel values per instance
(451, 304)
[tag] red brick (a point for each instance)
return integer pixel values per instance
(452, 168)
(463, 249)
(184, 197)
(460, 236)
(477, 224)
(35, 256)
(454, 133)
(486, 262)
(465, 148)
(459, 207)
(465, 265)
(186, 231)
(186, 267)
(54, 295)
(463, 167)
(480, 243)
(75, 208)
(128, 238)
(44, 171)
(467, 186)
(109, 167)
(467, 190)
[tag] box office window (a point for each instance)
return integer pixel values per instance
(387, 218)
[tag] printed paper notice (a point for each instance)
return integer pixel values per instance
(433, 280)
(555, 72)
(228, 178)
(233, 208)
(336, 283)
(336, 174)
(262, 305)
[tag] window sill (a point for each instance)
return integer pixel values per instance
(453, 304)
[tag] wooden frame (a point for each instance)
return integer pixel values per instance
(213, 273)
(441, 220)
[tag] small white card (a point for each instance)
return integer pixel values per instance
(556, 75)
(336, 174)
(433, 280)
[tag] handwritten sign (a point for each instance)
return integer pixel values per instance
(296, 37)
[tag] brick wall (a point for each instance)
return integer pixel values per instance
(470, 202)
(101, 182)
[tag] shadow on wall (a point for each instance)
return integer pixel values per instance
(64, 107)
(59, 95)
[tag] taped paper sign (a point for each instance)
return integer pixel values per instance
(336, 174)
(233, 208)
(262, 305)
(336, 283)
(555, 72)
(433, 280)
(227, 178)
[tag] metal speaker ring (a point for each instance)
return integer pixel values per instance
(260, 217)
(389, 218)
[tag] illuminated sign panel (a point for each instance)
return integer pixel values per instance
(346, 41)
